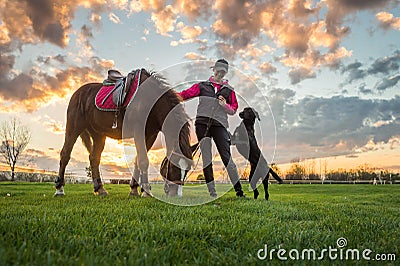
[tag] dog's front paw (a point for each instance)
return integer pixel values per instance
(266, 196)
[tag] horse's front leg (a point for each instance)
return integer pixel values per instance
(134, 184)
(94, 158)
(143, 163)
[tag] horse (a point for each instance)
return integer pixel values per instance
(155, 108)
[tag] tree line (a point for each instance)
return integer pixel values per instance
(306, 170)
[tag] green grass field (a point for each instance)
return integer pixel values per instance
(81, 229)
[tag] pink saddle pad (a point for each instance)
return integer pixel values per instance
(104, 99)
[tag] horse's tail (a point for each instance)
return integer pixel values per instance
(87, 141)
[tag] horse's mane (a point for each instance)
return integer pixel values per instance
(175, 100)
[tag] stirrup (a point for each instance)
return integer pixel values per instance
(115, 122)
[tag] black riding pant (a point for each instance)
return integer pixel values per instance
(222, 140)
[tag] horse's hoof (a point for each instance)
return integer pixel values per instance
(146, 190)
(172, 191)
(101, 192)
(134, 193)
(147, 194)
(59, 192)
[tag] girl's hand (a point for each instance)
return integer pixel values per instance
(222, 100)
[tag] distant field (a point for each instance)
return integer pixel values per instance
(81, 229)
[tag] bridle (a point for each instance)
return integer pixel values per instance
(181, 167)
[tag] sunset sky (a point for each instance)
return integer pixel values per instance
(325, 73)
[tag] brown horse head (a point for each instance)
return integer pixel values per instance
(174, 173)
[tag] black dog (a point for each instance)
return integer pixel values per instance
(246, 143)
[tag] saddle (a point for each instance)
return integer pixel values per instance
(117, 92)
(122, 85)
(112, 76)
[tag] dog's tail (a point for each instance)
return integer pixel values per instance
(276, 176)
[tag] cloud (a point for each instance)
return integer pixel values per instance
(46, 60)
(225, 50)
(194, 9)
(32, 91)
(189, 32)
(43, 16)
(278, 99)
(84, 37)
(252, 53)
(354, 71)
(164, 20)
(302, 8)
(291, 26)
(194, 56)
(316, 123)
(96, 20)
(387, 83)
(238, 22)
(299, 74)
(114, 18)
(388, 21)
(339, 9)
(323, 126)
(309, 42)
(14, 86)
(19, 88)
(32, 22)
(309, 32)
(386, 65)
(35, 21)
(267, 68)
(35, 152)
(147, 5)
(52, 125)
(42, 20)
(48, 160)
(363, 90)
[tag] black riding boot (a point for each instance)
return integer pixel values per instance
(211, 189)
(209, 176)
(238, 189)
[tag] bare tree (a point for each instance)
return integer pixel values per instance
(14, 138)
